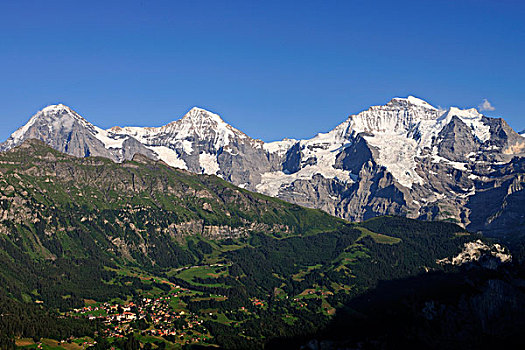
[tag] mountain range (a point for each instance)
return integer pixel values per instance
(404, 158)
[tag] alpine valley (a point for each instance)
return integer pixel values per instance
(390, 231)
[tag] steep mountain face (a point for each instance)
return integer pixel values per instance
(66, 131)
(203, 143)
(403, 158)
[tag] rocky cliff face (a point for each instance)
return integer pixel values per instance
(203, 143)
(403, 158)
(66, 131)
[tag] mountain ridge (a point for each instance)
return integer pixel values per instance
(406, 157)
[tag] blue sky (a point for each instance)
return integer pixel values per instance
(273, 69)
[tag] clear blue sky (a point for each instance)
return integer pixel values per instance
(270, 68)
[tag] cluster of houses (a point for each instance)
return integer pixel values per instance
(167, 321)
(158, 315)
(258, 302)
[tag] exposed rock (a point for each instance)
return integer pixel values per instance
(66, 131)
(456, 141)
(475, 251)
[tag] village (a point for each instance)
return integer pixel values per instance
(160, 317)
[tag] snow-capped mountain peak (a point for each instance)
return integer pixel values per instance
(52, 117)
(60, 114)
(400, 115)
(197, 113)
(197, 123)
(471, 113)
(56, 108)
(470, 117)
(201, 122)
(67, 131)
(191, 142)
(415, 101)
(388, 128)
(398, 131)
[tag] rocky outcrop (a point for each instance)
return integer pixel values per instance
(456, 141)
(490, 255)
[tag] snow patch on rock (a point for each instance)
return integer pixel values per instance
(208, 163)
(169, 156)
(436, 159)
(397, 154)
(323, 149)
(279, 147)
(109, 139)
